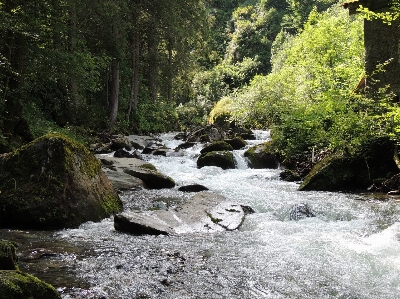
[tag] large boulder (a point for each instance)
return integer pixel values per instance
(8, 256)
(18, 285)
(223, 159)
(261, 156)
(54, 182)
(344, 172)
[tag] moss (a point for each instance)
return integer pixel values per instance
(19, 285)
(223, 159)
(338, 172)
(214, 220)
(47, 180)
(262, 156)
(148, 166)
(111, 204)
(217, 146)
(8, 256)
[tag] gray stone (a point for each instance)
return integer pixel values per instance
(205, 212)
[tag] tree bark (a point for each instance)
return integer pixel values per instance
(73, 85)
(114, 90)
(153, 62)
(135, 71)
(170, 73)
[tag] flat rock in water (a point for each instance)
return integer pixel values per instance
(140, 224)
(204, 212)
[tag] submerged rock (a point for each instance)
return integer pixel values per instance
(54, 182)
(300, 211)
(204, 212)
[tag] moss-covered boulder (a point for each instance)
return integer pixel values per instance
(54, 182)
(8, 256)
(262, 156)
(151, 177)
(223, 159)
(344, 172)
(19, 285)
(236, 142)
(217, 146)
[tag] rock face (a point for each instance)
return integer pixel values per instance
(19, 285)
(54, 182)
(204, 212)
(223, 159)
(342, 172)
(259, 156)
(8, 256)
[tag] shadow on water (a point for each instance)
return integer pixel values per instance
(42, 255)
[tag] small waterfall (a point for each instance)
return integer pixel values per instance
(240, 161)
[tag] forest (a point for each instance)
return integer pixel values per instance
(140, 66)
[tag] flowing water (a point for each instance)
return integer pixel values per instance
(351, 249)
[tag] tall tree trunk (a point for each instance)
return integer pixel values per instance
(135, 71)
(170, 72)
(114, 90)
(153, 62)
(73, 85)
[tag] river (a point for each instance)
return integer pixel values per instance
(350, 250)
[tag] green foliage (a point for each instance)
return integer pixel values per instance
(299, 11)
(306, 99)
(156, 117)
(221, 111)
(193, 113)
(387, 16)
(253, 29)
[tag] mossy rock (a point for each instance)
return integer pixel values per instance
(54, 182)
(217, 146)
(262, 156)
(236, 142)
(148, 166)
(19, 285)
(8, 256)
(343, 172)
(223, 159)
(337, 172)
